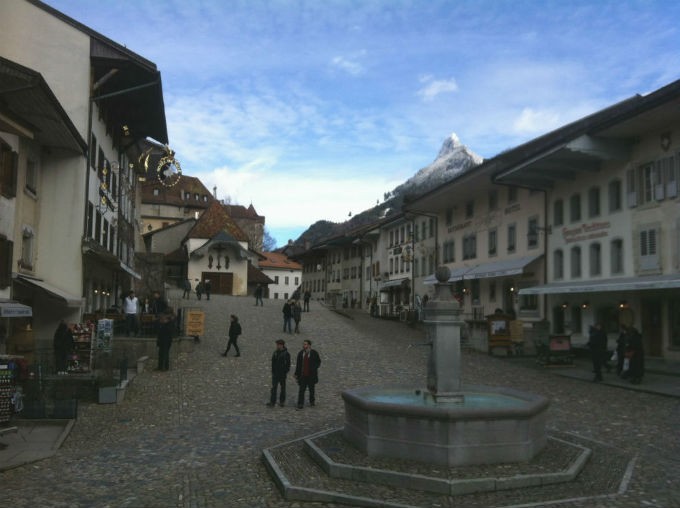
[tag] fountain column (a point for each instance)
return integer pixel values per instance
(442, 319)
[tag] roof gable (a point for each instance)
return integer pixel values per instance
(214, 221)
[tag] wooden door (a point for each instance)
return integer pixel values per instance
(220, 283)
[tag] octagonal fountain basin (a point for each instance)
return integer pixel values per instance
(491, 425)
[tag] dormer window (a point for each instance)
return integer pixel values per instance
(156, 192)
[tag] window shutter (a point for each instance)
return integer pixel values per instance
(671, 177)
(631, 190)
(6, 248)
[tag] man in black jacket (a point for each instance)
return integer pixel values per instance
(598, 349)
(306, 372)
(280, 369)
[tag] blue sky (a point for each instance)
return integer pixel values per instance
(311, 110)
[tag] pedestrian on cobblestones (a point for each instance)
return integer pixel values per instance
(187, 290)
(287, 311)
(208, 288)
(199, 289)
(234, 332)
(258, 295)
(306, 373)
(297, 315)
(166, 325)
(307, 296)
(597, 342)
(280, 369)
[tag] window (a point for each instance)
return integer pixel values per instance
(593, 202)
(423, 230)
(575, 208)
(449, 216)
(391, 265)
(297, 281)
(512, 237)
(671, 177)
(101, 160)
(558, 264)
(90, 217)
(617, 256)
(474, 290)
(286, 280)
(276, 279)
(492, 291)
(614, 196)
(9, 161)
(276, 296)
(558, 212)
(528, 303)
(532, 236)
(512, 195)
(431, 227)
(195, 197)
(649, 257)
(156, 192)
(469, 209)
(6, 248)
(493, 200)
(98, 227)
(105, 234)
(112, 239)
(595, 255)
(31, 176)
(575, 262)
(27, 248)
(493, 240)
(391, 238)
(470, 246)
(631, 188)
(448, 251)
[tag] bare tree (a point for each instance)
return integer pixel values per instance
(269, 242)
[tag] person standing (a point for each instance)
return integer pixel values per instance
(131, 310)
(63, 346)
(164, 338)
(598, 349)
(621, 344)
(287, 315)
(199, 289)
(636, 355)
(258, 295)
(187, 290)
(234, 332)
(280, 369)
(306, 373)
(207, 286)
(297, 315)
(307, 296)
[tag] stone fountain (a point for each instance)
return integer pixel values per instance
(447, 423)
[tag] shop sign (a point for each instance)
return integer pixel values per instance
(195, 323)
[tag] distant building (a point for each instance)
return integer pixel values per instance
(250, 223)
(163, 206)
(286, 274)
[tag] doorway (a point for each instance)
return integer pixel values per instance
(220, 283)
(652, 328)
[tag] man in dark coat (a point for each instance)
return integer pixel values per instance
(234, 331)
(258, 295)
(164, 339)
(306, 372)
(280, 369)
(287, 311)
(636, 355)
(207, 287)
(306, 298)
(63, 346)
(598, 349)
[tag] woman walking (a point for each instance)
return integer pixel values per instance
(234, 332)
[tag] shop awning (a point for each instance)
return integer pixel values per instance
(456, 275)
(501, 268)
(52, 291)
(393, 283)
(10, 308)
(606, 285)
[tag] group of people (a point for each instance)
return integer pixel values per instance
(306, 374)
(629, 354)
(202, 287)
(292, 311)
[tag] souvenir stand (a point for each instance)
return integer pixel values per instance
(81, 360)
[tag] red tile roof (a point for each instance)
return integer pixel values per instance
(278, 260)
(214, 220)
(175, 195)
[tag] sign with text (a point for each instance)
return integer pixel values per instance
(194, 323)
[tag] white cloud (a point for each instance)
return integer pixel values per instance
(531, 121)
(434, 87)
(349, 65)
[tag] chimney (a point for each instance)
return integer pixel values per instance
(215, 191)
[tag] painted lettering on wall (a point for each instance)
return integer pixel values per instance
(588, 231)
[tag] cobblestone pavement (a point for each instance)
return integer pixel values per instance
(193, 436)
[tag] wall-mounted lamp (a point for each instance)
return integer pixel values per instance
(565, 305)
(585, 305)
(623, 304)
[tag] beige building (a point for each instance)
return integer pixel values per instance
(80, 108)
(163, 206)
